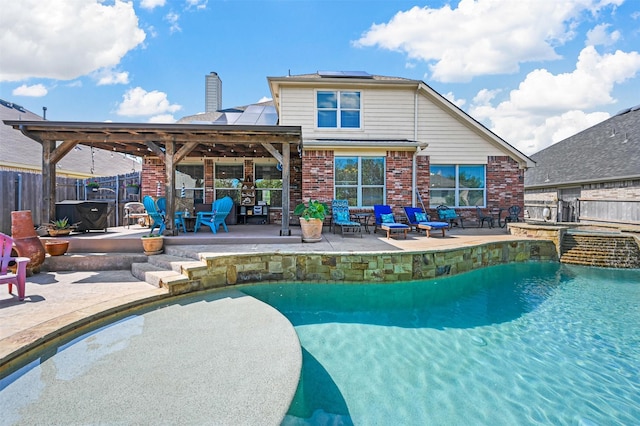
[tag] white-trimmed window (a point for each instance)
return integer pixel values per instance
(360, 180)
(338, 109)
(457, 185)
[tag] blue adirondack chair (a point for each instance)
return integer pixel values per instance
(154, 215)
(213, 219)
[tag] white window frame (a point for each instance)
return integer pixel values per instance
(338, 109)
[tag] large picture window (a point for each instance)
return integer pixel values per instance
(360, 180)
(338, 109)
(228, 180)
(457, 185)
(192, 177)
(268, 184)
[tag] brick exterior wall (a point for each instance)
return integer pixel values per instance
(399, 181)
(505, 183)
(317, 176)
(153, 172)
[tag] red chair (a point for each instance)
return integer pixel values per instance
(7, 277)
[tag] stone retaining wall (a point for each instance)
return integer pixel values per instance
(231, 269)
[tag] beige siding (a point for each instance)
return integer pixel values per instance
(389, 113)
(386, 114)
(451, 141)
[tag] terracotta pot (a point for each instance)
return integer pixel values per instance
(311, 230)
(152, 245)
(57, 248)
(58, 232)
(27, 243)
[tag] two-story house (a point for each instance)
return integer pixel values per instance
(384, 140)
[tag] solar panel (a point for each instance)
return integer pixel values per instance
(345, 74)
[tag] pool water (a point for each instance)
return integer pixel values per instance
(533, 343)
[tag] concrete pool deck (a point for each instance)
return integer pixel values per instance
(57, 300)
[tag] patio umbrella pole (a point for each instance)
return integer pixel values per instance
(420, 199)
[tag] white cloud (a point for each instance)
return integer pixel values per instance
(35, 90)
(172, 18)
(151, 4)
(546, 107)
(107, 76)
(162, 118)
(196, 4)
(482, 36)
(598, 36)
(139, 102)
(264, 99)
(65, 39)
(457, 102)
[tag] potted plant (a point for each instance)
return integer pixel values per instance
(132, 189)
(60, 227)
(311, 215)
(152, 244)
(93, 186)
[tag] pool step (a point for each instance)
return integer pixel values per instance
(165, 270)
(609, 251)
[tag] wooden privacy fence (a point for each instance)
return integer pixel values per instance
(23, 191)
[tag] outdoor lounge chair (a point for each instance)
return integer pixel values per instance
(416, 217)
(482, 218)
(340, 217)
(156, 218)
(220, 209)
(386, 221)
(19, 278)
(447, 214)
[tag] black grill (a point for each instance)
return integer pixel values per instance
(86, 215)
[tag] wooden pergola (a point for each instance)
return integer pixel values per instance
(171, 143)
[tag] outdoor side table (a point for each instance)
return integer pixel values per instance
(363, 219)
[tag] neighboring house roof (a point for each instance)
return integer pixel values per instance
(608, 151)
(364, 79)
(20, 153)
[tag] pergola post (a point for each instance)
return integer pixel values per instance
(170, 172)
(286, 177)
(48, 182)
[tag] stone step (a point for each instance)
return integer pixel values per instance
(93, 261)
(152, 274)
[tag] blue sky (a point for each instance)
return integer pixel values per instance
(532, 71)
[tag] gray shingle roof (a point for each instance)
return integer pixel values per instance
(607, 151)
(20, 152)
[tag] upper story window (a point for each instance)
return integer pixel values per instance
(338, 109)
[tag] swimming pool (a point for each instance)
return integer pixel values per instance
(514, 344)
(535, 343)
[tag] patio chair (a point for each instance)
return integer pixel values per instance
(156, 218)
(482, 218)
(416, 217)
(447, 214)
(161, 204)
(513, 213)
(386, 221)
(19, 278)
(134, 211)
(341, 217)
(220, 209)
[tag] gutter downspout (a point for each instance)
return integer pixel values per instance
(414, 176)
